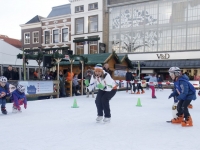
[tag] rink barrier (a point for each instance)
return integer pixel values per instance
(143, 83)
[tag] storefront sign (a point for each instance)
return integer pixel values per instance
(37, 87)
(163, 56)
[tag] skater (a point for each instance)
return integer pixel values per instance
(185, 93)
(4, 92)
(107, 89)
(19, 98)
(137, 85)
(160, 80)
(129, 78)
(152, 82)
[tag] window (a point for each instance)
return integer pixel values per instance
(47, 37)
(55, 36)
(36, 37)
(27, 38)
(80, 48)
(93, 47)
(93, 6)
(79, 25)
(65, 35)
(79, 9)
(93, 23)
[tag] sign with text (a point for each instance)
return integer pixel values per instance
(37, 87)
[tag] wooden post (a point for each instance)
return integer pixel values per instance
(82, 62)
(58, 70)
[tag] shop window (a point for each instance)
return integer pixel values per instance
(80, 48)
(93, 47)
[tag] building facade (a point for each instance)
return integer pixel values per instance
(31, 33)
(56, 28)
(86, 26)
(157, 32)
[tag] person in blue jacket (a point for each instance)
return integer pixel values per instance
(19, 98)
(184, 92)
(4, 92)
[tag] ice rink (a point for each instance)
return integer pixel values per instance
(54, 125)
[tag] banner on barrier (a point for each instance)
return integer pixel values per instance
(37, 87)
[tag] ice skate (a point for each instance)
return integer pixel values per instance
(179, 119)
(99, 118)
(106, 120)
(138, 92)
(15, 110)
(3, 110)
(154, 97)
(142, 92)
(87, 94)
(187, 122)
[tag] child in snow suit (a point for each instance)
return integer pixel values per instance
(185, 93)
(19, 98)
(107, 89)
(4, 92)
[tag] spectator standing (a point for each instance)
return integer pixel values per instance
(62, 84)
(9, 74)
(75, 85)
(88, 74)
(129, 78)
(48, 76)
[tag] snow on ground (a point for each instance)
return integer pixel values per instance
(54, 125)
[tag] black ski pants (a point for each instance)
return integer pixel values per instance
(102, 102)
(182, 108)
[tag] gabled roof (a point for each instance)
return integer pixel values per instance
(123, 57)
(14, 42)
(60, 10)
(35, 19)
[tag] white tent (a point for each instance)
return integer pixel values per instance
(8, 55)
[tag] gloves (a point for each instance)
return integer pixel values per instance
(170, 96)
(86, 82)
(100, 86)
(25, 106)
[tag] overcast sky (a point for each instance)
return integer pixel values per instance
(16, 12)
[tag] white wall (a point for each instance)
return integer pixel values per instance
(8, 55)
(86, 14)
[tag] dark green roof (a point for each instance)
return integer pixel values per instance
(96, 58)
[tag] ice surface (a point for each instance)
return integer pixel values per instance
(54, 125)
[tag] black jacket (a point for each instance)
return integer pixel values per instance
(129, 76)
(10, 75)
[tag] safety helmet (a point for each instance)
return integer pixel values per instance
(175, 70)
(21, 88)
(3, 79)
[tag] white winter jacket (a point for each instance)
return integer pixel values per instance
(108, 82)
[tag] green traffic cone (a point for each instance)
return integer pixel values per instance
(75, 104)
(139, 103)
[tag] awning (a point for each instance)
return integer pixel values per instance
(185, 63)
(83, 40)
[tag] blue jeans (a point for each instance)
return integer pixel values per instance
(2, 102)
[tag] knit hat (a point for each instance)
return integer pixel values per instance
(98, 67)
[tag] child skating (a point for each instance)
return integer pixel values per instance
(184, 92)
(19, 98)
(4, 92)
